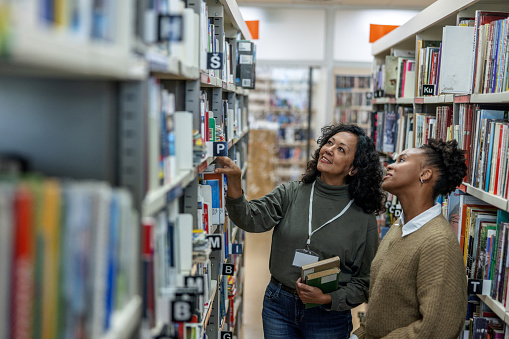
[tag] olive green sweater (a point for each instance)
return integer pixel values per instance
(418, 285)
(353, 237)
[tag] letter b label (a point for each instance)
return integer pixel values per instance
(228, 269)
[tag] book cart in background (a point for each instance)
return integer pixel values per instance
(353, 93)
(460, 91)
(117, 126)
(283, 96)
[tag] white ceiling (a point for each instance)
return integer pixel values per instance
(406, 4)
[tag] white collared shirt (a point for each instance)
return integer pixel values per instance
(417, 222)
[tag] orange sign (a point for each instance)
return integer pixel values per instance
(253, 28)
(378, 31)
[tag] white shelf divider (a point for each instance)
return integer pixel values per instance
(495, 306)
(125, 321)
(494, 200)
(440, 11)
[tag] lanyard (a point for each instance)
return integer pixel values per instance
(311, 215)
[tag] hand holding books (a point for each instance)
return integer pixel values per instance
(316, 280)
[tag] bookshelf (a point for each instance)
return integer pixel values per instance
(95, 101)
(282, 97)
(353, 92)
(446, 110)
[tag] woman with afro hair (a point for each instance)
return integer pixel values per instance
(330, 212)
(418, 279)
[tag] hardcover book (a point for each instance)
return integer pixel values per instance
(327, 281)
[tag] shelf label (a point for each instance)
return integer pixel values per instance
(170, 27)
(181, 311)
(215, 241)
(462, 99)
(195, 282)
(428, 89)
(220, 149)
(236, 249)
(214, 60)
(477, 286)
(226, 335)
(228, 269)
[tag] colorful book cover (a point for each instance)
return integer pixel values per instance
(51, 217)
(23, 278)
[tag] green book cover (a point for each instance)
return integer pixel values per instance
(327, 281)
(212, 129)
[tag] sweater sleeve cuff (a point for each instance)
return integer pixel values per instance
(234, 201)
(338, 301)
(360, 333)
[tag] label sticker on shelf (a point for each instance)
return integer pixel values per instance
(236, 249)
(197, 282)
(214, 60)
(215, 241)
(228, 269)
(226, 335)
(246, 59)
(181, 310)
(220, 149)
(244, 47)
(428, 89)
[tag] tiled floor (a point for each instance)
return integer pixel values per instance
(257, 276)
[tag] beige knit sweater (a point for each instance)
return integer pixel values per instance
(418, 285)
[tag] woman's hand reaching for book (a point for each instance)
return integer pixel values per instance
(310, 294)
(234, 175)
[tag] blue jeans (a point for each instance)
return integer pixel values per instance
(285, 316)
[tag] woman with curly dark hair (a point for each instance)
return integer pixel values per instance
(331, 212)
(418, 279)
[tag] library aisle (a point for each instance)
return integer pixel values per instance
(256, 278)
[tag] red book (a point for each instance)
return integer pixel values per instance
(23, 278)
(147, 254)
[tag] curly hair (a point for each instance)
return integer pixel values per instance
(449, 160)
(365, 185)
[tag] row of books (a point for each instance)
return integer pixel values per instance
(490, 73)
(291, 153)
(482, 234)
(354, 81)
(482, 322)
(344, 115)
(482, 133)
(344, 98)
(68, 257)
(84, 20)
(487, 151)
(224, 124)
(399, 78)
(167, 280)
(170, 149)
(435, 69)
(170, 29)
(291, 134)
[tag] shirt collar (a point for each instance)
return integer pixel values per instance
(417, 222)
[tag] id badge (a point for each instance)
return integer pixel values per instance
(304, 257)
